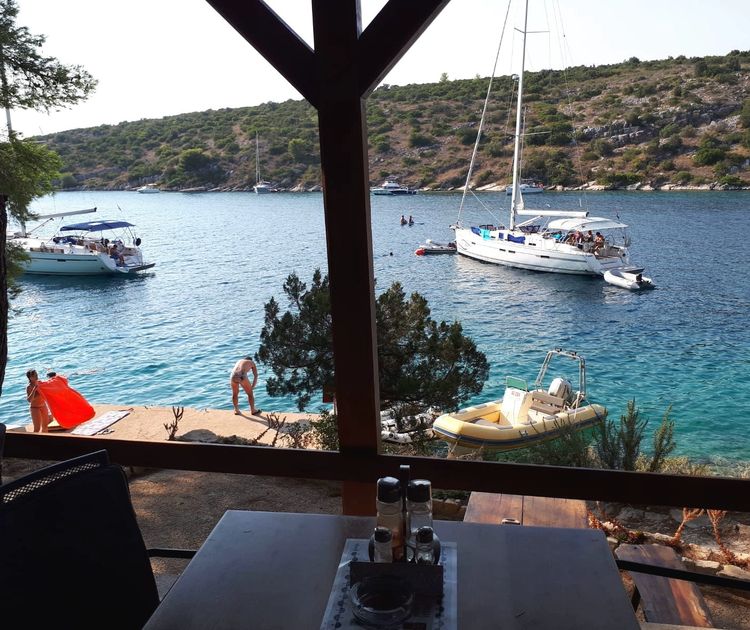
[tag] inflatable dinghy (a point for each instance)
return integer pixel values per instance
(630, 278)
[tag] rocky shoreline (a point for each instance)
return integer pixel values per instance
(588, 187)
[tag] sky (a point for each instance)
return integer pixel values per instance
(156, 58)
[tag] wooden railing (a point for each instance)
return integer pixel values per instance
(546, 481)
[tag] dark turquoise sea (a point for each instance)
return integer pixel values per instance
(171, 337)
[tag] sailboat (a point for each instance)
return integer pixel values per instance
(261, 187)
(558, 241)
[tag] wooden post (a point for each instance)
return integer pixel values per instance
(343, 154)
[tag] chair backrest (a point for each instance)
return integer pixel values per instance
(71, 552)
(2, 446)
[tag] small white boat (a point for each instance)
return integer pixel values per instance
(391, 187)
(525, 188)
(409, 428)
(261, 187)
(148, 189)
(94, 248)
(630, 278)
(433, 247)
(525, 416)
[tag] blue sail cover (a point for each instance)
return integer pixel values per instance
(95, 226)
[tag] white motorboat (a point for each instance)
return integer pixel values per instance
(535, 243)
(630, 278)
(524, 416)
(392, 187)
(261, 187)
(148, 189)
(525, 188)
(107, 247)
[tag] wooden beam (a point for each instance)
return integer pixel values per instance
(275, 40)
(346, 194)
(391, 33)
(719, 493)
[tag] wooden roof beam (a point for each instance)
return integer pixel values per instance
(265, 31)
(387, 38)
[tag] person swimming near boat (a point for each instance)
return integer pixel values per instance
(239, 378)
(411, 220)
(403, 220)
(40, 413)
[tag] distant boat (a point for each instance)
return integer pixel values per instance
(391, 187)
(261, 187)
(81, 249)
(526, 189)
(148, 189)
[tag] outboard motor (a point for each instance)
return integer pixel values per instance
(561, 388)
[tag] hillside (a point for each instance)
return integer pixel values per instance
(676, 122)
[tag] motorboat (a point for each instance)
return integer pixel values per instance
(630, 278)
(537, 242)
(525, 415)
(392, 187)
(433, 247)
(525, 188)
(261, 187)
(148, 189)
(105, 247)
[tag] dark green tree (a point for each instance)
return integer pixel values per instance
(27, 171)
(28, 80)
(421, 362)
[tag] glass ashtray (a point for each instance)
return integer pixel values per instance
(381, 601)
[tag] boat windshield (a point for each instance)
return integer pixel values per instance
(517, 383)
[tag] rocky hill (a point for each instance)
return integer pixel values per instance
(659, 124)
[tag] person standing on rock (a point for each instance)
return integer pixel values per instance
(239, 377)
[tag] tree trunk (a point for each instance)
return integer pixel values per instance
(3, 294)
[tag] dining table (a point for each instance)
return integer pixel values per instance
(272, 570)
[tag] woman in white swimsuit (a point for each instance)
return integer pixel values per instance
(239, 377)
(40, 414)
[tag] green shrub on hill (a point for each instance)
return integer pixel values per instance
(413, 124)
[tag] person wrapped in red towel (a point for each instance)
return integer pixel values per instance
(65, 403)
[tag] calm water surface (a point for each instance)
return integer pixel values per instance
(171, 337)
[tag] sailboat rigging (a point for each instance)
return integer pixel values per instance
(563, 245)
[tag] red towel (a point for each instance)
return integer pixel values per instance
(65, 403)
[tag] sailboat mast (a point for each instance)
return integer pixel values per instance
(257, 160)
(516, 200)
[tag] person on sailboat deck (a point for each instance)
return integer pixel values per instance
(598, 242)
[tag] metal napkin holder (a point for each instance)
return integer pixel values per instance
(423, 579)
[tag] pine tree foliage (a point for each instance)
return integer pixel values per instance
(421, 361)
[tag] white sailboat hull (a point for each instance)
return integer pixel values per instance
(50, 259)
(538, 253)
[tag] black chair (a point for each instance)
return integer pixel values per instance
(71, 551)
(2, 445)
